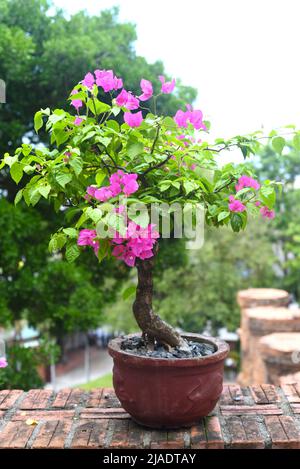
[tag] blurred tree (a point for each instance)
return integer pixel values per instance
(285, 233)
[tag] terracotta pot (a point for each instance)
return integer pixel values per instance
(168, 393)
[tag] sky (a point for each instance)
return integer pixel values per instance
(241, 55)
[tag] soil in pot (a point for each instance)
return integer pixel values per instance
(168, 392)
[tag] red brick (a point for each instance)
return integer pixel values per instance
(30, 398)
(213, 433)
(11, 398)
(291, 431)
(159, 439)
(98, 434)
(105, 413)
(296, 408)
(43, 399)
(16, 435)
(291, 393)
(75, 397)
(82, 435)
(277, 433)
(23, 415)
(237, 432)
(60, 434)
(61, 398)
(254, 437)
(236, 393)
(109, 399)
(135, 436)
(7, 433)
(94, 398)
(198, 436)
(176, 439)
(226, 397)
(258, 394)
(268, 409)
(271, 393)
(3, 395)
(120, 433)
(45, 434)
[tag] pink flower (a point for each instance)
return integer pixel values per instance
(129, 258)
(88, 80)
(147, 89)
(193, 167)
(107, 80)
(166, 87)
(91, 191)
(126, 99)
(115, 189)
(247, 181)
(258, 203)
(3, 362)
(77, 103)
(103, 194)
(267, 213)
(86, 237)
(78, 120)
(133, 120)
(130, 184)
(183, 118)
(235, 205)
(121, 99)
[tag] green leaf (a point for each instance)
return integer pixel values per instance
(16, 172)
(77, 164)
(296, 142)
(130, 291)
(38, 121)
(236, 222)
(94, 214)
(100, 176)
(165, 185)
(223, 215)
(18, 196)
(135, 149)
(268, 195)
(72, 252)
(116, 222)
(170, 123)
(96, 106)
(71, 232)
(63, 178)
(104, 140)
(139, 215)
(278, 143)
(44, 190)
(189, 186)
(34, 195)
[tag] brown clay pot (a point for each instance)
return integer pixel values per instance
(168, 393)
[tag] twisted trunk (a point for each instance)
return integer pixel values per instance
(152, 326)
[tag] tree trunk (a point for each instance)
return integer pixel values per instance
(152, 326)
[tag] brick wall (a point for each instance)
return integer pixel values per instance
(254, 417)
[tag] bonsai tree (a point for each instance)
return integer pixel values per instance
(109, 163)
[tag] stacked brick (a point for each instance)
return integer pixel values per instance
(270, 336)
(255, 417)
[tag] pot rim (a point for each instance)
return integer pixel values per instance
(222, 349)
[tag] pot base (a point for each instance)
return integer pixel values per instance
(168, 393)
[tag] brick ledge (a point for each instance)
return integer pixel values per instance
(254, 417)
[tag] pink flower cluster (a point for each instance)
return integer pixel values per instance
(267, 213)
(137, 243)
(166, 86)
(87, 238)
(235, 205)
(119, 182)
(77, 103)
(183, 118)
(247, 181)
(3, 362)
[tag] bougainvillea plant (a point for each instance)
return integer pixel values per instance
(104, 158)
